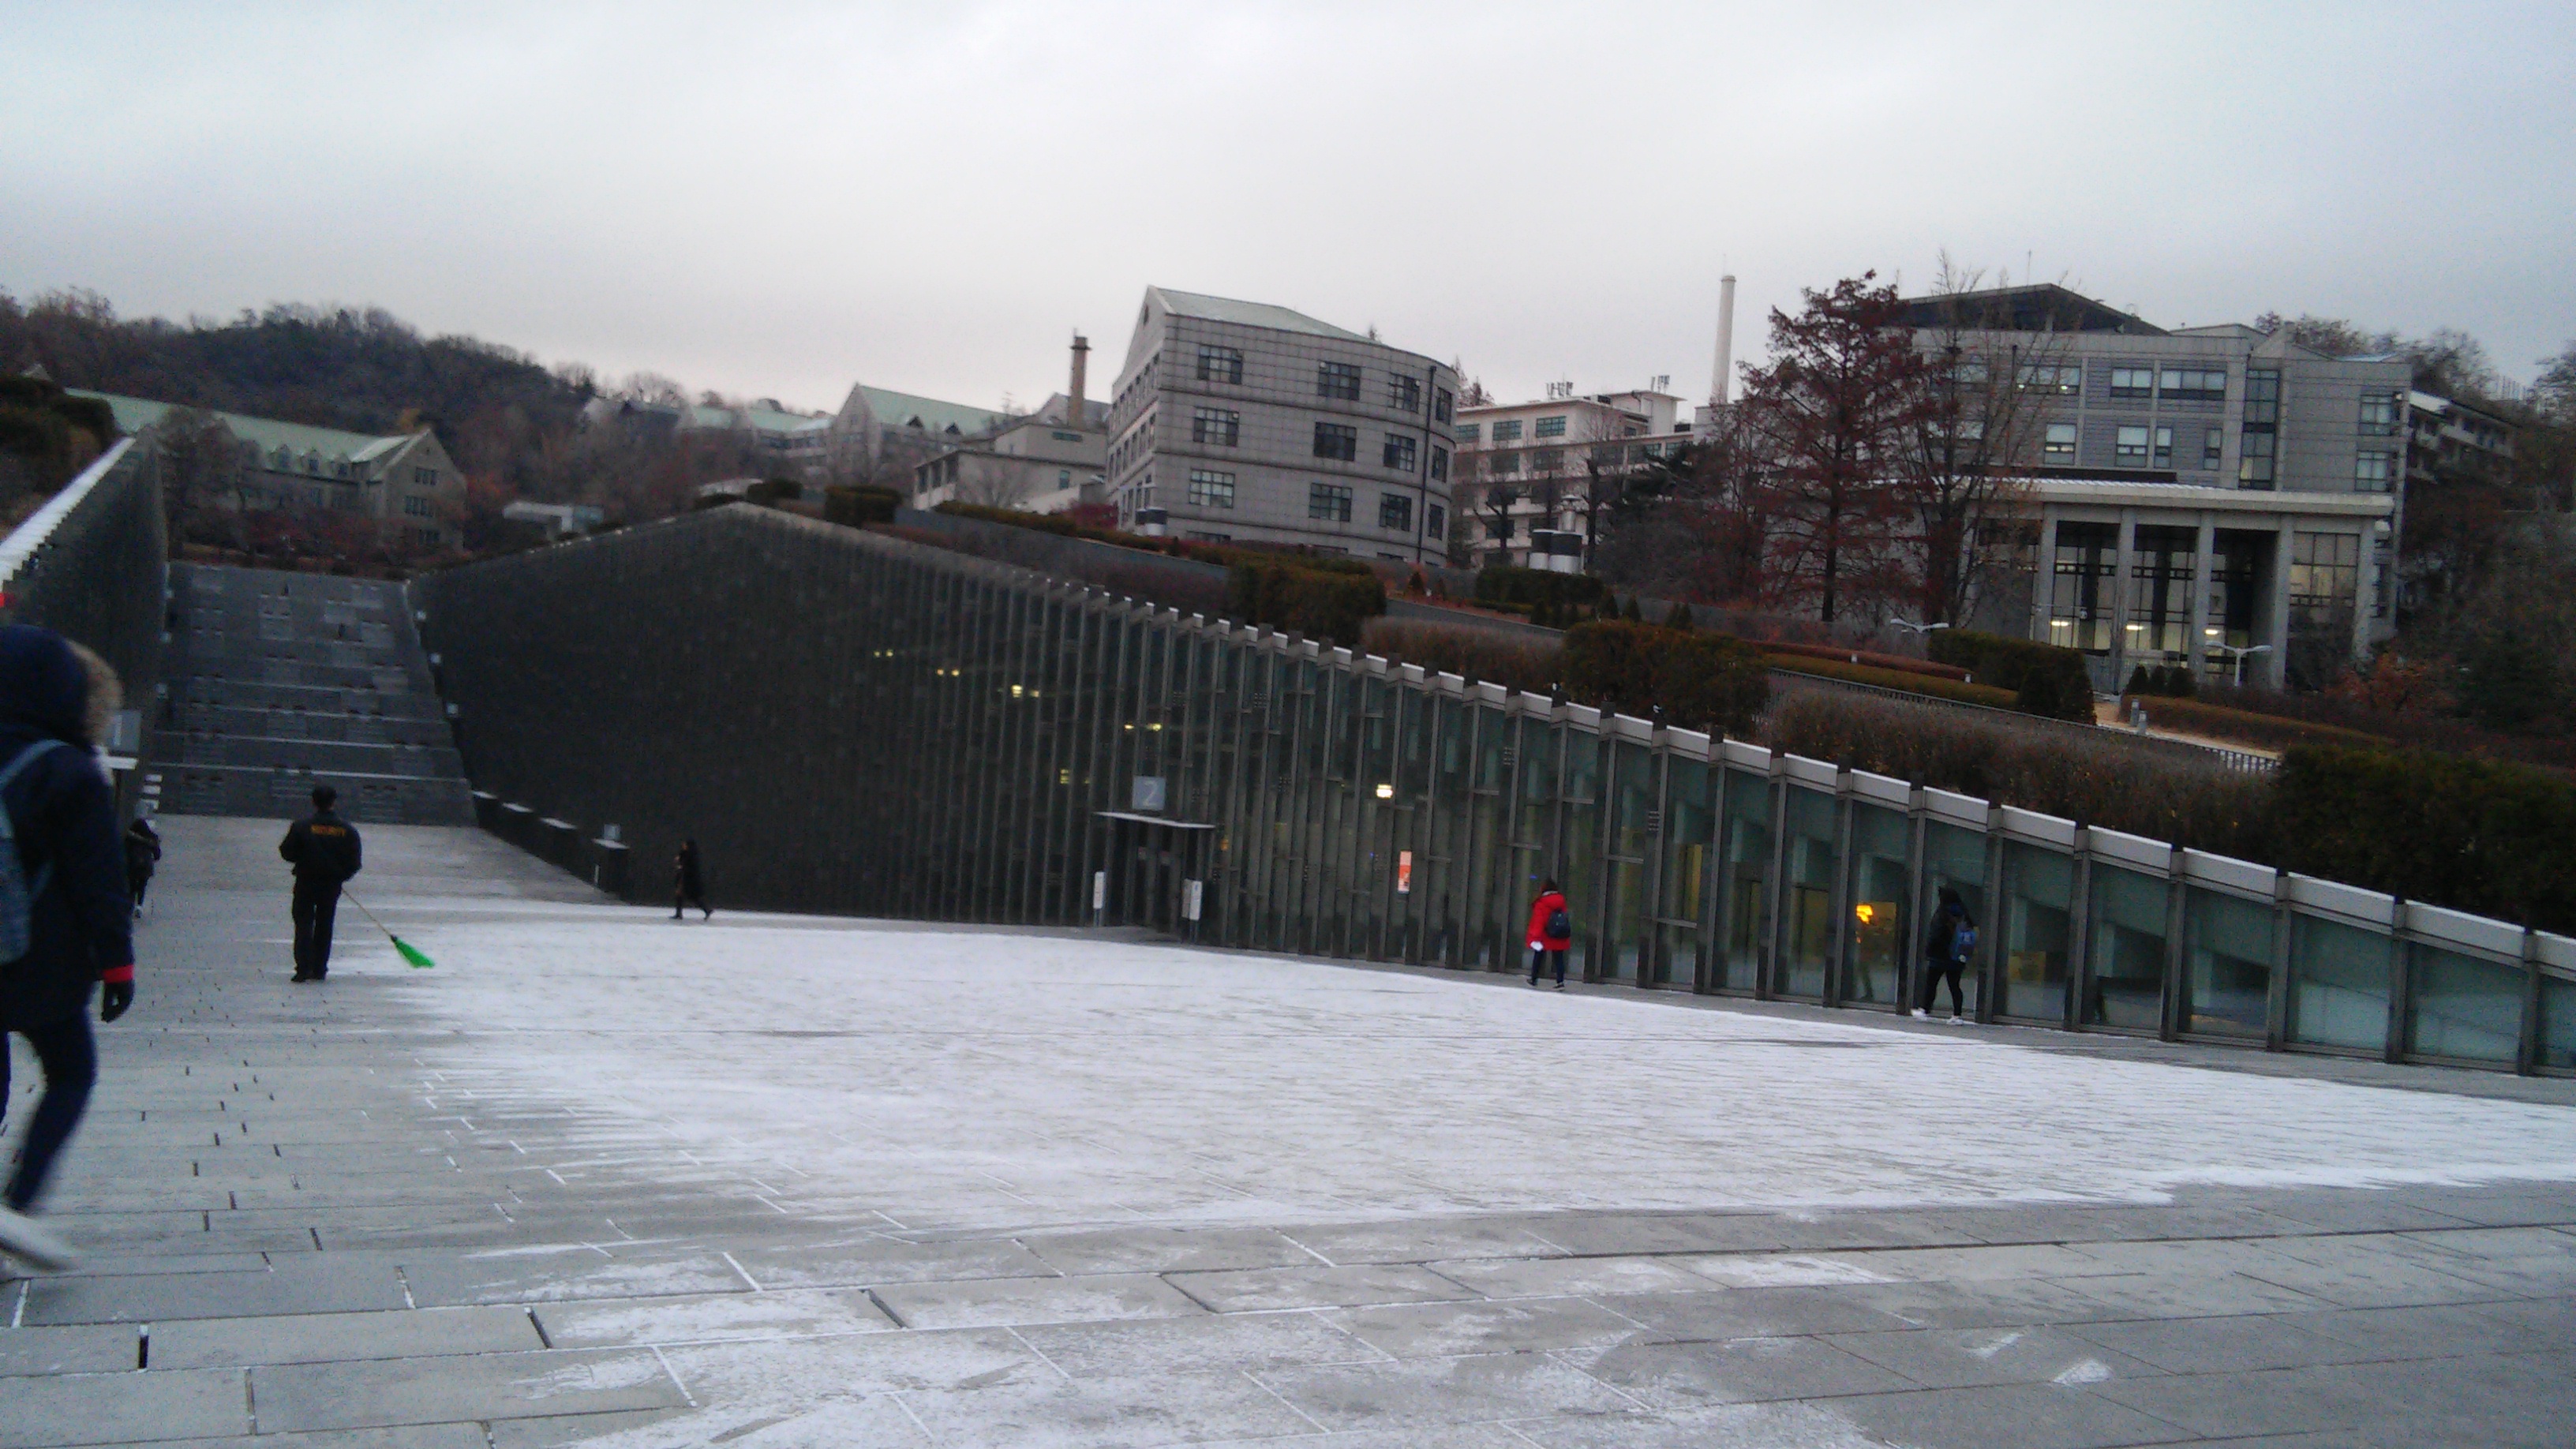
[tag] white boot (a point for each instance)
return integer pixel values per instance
(25, 1238)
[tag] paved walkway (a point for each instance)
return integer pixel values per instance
(601, 1178)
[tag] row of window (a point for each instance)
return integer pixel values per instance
(1223, 428)
(1508, 430)
(1330, 502)
(1338, 380)
(2173, 384)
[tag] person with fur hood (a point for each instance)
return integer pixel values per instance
(56, 699)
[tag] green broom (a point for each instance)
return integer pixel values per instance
(410, 952)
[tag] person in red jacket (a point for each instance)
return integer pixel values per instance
(1551, 932)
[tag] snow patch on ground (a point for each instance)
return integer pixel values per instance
(984, 1081)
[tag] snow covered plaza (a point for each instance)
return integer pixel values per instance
(605, 1178)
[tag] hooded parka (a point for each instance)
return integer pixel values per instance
(64, 817)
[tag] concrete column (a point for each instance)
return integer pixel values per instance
(2043, 584)
(2122, 592)
(2277, 663)
(2204, 576)
(2363, 579)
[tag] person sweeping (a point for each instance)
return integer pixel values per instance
(66, 924)
(325, 851)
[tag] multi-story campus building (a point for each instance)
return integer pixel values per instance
(2210, 496)
(1532, 476)
(405, 481)
(1045, 462)
(1243, 421)
(880, 435)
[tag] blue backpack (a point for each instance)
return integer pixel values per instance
(1963, 943)
(17, 893)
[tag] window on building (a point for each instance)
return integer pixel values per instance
(1435, 521)
(2133, 382)
(1063, 479)
(1502, 464)
(2129, 449)
(1398, 452)
(2164, 448)
(2059, 444)
(1337, 440)
(1546, 460)
(2325, 576)
(1471, 432)
(2213, 444)
(2192, 384)
(1220, 364)
(1330, 502)
(423, 537)
(1549, 427)
(2058, 377)
(281, 460)
(1395, 511)
(2373, 470)
(313, 464)
(1404, 394)
(1439, 464)
(1337, 380)
(2262, 421)
(1443, 403)
(1211, 489)
(2378, 412)
(1507, 430)
(416, 505)
(1220, 426)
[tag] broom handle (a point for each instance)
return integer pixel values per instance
(370, 915)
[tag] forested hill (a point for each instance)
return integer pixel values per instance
(363, 370)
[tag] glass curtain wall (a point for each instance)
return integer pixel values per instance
(1354, 811)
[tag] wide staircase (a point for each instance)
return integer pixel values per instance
(277, 682)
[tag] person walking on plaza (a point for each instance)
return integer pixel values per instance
(1551, 932)
(689, 883)
(142, 852)
(325, 852)
(65, 922)
(1947, 949)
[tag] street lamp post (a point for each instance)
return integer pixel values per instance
(2237, 653)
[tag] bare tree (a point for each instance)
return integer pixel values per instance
(1964, 463)
(995, 486)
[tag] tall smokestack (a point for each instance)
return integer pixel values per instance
(1721, 387)
(1076, 418)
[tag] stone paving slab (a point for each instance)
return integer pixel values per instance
(1265, 1289)
(336, 1337)
(626, 1322)
(445, 1390)
(116, 1408)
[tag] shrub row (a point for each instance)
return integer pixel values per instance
(1699, 681)
(2421, 730)
(2165, 681)
(1923, 684)
(1509, 584)
(2044, 678)
(1873, 659)
(860, 504)
(2193, 716)
(1328, 604)
(1513, 661)
(2475, 835)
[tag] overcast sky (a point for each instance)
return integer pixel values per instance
(785, 199)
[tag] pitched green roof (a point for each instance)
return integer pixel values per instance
(899, 409)
(1250, 314)
(134, 414)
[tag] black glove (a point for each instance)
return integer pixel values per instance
(114, 997)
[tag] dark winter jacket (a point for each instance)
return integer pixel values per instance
(1945, 929)
(142, 849)
(1548, 904)
(323, 847)
(64, 816)
(691, 882)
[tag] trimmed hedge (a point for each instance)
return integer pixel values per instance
(1321, 604)
(1552, 598)
(2244, 726)
(2044, 678)
(2475, 835)
(1516, 661)
(1039, 522)
(1702, 681)
(1931, 686)
(859, 504)
(1874, 660)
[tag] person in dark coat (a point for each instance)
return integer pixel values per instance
(55, 698)
(1551, 932)
(325, 852)
(689, 882)
(142, 853)
(1947, 948)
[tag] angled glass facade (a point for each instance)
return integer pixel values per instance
(855, 723)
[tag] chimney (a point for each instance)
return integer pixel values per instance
(1073, 406)
(1721, 388)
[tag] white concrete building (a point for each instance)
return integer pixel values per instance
(1241, 421)
(1045, 462)
(1532, 476)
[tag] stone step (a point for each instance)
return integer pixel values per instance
(193, 789)
(269, 752)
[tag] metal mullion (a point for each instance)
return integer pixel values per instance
(1767, 955)
(1838, 931)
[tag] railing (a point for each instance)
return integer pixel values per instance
(2189, 751)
